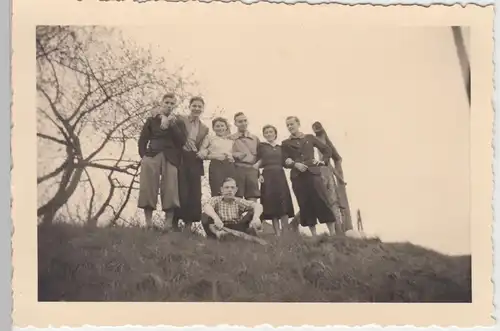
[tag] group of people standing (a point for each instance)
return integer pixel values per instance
(242, 170)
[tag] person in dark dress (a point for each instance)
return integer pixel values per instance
(275, 194)
(219, 150)
(191, 169)
(307, 182)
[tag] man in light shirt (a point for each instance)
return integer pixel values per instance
(245, 156)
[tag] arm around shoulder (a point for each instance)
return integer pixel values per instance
(179, 131)
(205, 144)
(323, 148)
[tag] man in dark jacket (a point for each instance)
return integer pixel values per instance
(305, 175)
(160, 145)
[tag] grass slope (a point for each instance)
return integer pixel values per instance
(132, 264)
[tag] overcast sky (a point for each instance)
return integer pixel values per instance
(391, 98)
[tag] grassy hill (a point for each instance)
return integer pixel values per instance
(132, 264)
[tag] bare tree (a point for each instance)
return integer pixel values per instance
(94, 90)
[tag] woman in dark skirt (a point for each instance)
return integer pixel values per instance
(307, 182)
(218, 149)
(275, 194)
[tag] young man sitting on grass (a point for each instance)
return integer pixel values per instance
(231, 212)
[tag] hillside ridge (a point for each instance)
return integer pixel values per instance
(77, 263)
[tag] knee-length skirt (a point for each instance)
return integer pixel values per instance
(275, 194)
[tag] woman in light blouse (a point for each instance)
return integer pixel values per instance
(218, 149)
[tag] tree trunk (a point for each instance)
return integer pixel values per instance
(344, 201)
(69, 182)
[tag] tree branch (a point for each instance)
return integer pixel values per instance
(111, 188)
(58, 90)
(45, 136)
(73, 139)
(59, 128)
(110, 134)
(125, 170)
(102, 102)
(127, 198)
(82, 102)
(45, 53)
(91, 201)
(54, 173)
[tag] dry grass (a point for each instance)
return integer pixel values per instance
(133, 264)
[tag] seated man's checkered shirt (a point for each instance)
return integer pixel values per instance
(231, 210)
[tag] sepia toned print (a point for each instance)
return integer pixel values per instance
(216, 171)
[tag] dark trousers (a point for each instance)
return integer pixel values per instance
(247, 180)
(243, 225)
(312, 199)
(189, 177)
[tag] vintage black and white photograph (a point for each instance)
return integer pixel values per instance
(251, 163)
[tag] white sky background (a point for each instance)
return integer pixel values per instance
(408, 178)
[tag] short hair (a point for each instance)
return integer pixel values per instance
(220, 119)
(238, 114)
(293, 118)
(269, 126)
(196, 98)
(168, 95)
(228, 179)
